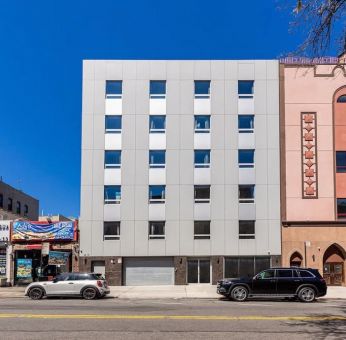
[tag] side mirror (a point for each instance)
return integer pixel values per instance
(55, 280)
(256, 277)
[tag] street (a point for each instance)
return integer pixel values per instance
(110, 318)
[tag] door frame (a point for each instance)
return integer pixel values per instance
(198, 272)
(332, 264)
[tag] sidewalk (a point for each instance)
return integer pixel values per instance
(165, 292)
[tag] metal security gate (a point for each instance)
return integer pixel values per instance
(149, 271)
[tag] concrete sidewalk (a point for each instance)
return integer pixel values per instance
(203, 291)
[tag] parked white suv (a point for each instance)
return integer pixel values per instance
(88, 285)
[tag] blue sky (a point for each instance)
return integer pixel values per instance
(43, 44)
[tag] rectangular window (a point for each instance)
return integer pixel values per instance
(26, 210)
(246, 229)
(245, 88)
(246, 194)
(246, 123)
(284, 273)
(113, 124)
(10, 204)
(157, 193)
(202, 158)
(202, 230)
(202, 88)
(246, 158)
(1, 200)
(111, 230)
(114, 88)
(112, 194)
(202, 124)
(18, 208)
(112, 159)
(245, 266)
(156, 230)
(157, 158)
(341, 208)
(157, 124)
(202, 193)
(341, 161)
(157, 88)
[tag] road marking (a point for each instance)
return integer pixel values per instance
(173, 317)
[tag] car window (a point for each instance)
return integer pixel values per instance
(284, 273)
(267, 274)
(71, 277)
(84, 277)
(305, 273)
(98, 276)
(60, 278)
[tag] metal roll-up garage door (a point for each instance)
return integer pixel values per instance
(142, 271)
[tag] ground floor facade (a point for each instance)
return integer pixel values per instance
(178, 270)
(316, 245)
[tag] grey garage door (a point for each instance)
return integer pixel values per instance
(149, 271)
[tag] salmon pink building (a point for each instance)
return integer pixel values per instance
(313, 164)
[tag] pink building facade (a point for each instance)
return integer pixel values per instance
(313, 167)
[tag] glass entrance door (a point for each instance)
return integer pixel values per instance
(198, 271)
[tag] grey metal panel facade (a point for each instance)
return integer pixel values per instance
(179, 211)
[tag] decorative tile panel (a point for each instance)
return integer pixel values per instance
(309, 155)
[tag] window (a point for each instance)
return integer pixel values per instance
(245, 88)
(26, 210)
(1, 200)
(246, 193)
(341, 208)
(202, 88)
(157, 193)
(305, 273)
(202, 230)
(157, 88)
(246, 158)
(202, 124)
(246, 123)
(245, 266)
(113, 124)
(284, 273)
(18, 208)
(342, 99)
(341, 161)
(246, 229)
(111, 230)
(10, 204)
(202, 158)
(267, 274)
(202, 193)
(156, 230)
(157, 158)
(114, 88)
(112, 194)
(157, 124)
(112, 159)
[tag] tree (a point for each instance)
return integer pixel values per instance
(324, 23)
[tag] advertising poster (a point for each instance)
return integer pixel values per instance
(58, 257)
(24, 267)
(26, 231)
(2, 265)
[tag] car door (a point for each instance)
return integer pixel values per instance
(264, 283)
(287, 281)
(57, 286)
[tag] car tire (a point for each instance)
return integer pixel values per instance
(307, 294)
(89, 293)
(239, 293)
(36, 293)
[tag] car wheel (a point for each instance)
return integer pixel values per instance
(307, 294)
(239, 293)
(36, 293)
(89, 293)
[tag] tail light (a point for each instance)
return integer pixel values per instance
(99, 283)
(322, 280)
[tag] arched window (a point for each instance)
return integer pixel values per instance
(342, 99)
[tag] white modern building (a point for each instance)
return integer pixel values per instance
(180, 170)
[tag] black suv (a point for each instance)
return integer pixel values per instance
(304, 283)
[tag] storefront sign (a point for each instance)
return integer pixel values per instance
(45, 248)
(3, 265)
(58, 258)
(28, 231)
(24, 267)
(4, 231)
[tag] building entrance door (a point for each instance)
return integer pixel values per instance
(332, 273)
(198, 271)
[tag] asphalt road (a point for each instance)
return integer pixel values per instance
(21, 318)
